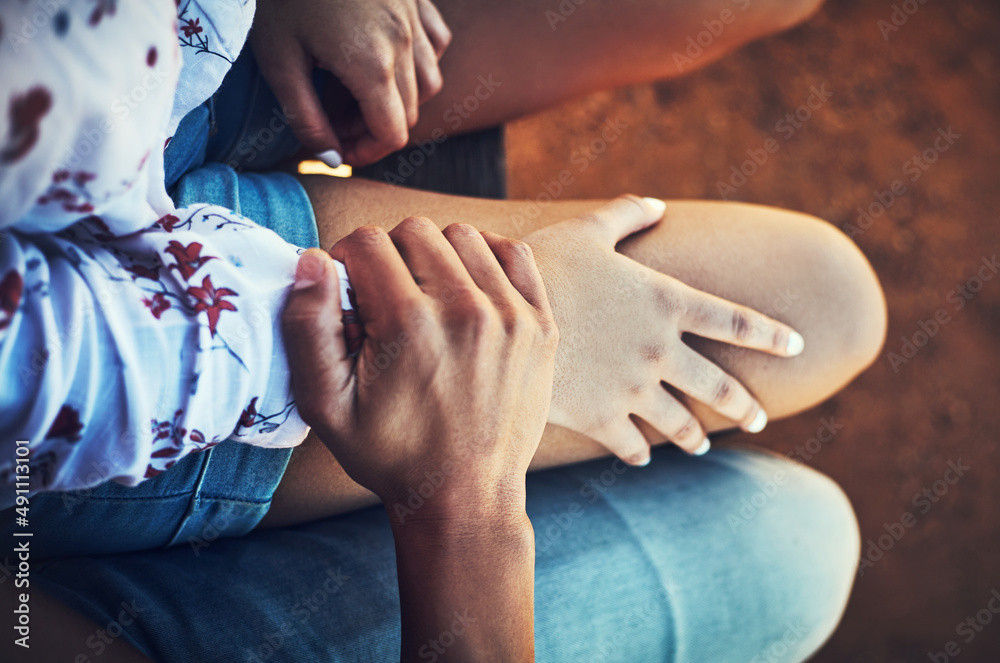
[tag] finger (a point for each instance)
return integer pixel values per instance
(429, 80)
(674, 421)
(314, 338)
(406, 81)
(518, 263)
(384, 114)
(431, 259)
(437, 30)
(624, 440)
(704, 381)
(622, 217)
(481, 263)
(289, 73)
(381, 282)
(721, 320)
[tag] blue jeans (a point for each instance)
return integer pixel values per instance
(736, 556)
(739, 555)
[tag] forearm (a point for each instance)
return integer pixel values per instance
(467, 591)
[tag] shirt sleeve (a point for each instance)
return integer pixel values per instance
(119, 355)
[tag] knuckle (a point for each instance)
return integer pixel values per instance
(653, 353)
(742, 325)
(517, 251)
(631, 199)
(397, 137)
(413, 225)
(382, 64)
(462, 230)
(434, 80)
(723, 392)
(688, 428)
(446, 37)
(366, 237)
(670, 303)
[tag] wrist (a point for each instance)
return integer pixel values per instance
(459, 519)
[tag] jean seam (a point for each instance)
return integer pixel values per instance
(195, 503)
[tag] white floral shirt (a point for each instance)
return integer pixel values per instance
(131, 333)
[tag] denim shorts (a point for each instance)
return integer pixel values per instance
(735, 557)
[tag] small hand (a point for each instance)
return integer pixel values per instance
(621, 326)
(383, 52)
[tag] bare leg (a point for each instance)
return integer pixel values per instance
(541, 56)
(791, 266)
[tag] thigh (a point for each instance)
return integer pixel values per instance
(512, 57)
(659, 563)
(794, 267)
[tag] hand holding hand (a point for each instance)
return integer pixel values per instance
(455, 370)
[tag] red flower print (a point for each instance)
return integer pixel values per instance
(168, 222)
(157, 305)
(143, 272)
(191, 27)
(67, 425)
(211, 301)
(11, 289)
(249, 416)
(151, 57)
(103, 7)
(26, 113)
(189, 258)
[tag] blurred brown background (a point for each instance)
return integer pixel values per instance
(940, 69)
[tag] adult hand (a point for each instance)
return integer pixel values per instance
(384, 52)
(455, 370)
(602, 298)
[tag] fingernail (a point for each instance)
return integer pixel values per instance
(330, 158)
(796, 344)
(758, 423)
(656, 204)
(308, 272)
(703, 449)
(643, 463)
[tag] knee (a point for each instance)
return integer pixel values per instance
(851, 300)
(821, 558)
(786, 14)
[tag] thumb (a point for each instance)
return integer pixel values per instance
(623, 216)
(289, 73)
(314, 339)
